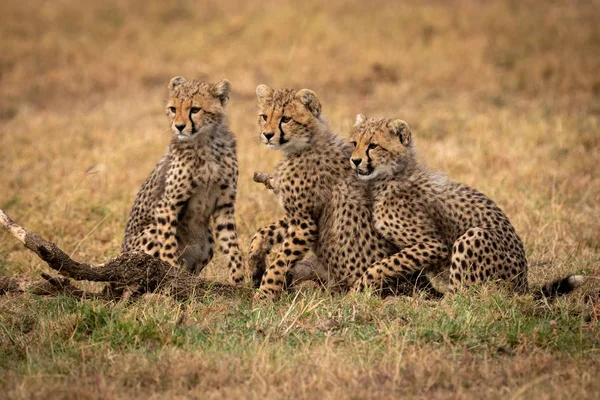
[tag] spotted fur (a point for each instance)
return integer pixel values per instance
(326, 208)
(439, 225)
(195, 182)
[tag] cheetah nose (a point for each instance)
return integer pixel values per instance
(268, 136)
(357, 161)
(180, 127)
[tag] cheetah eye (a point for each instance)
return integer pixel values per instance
(373, 146)
(172, 109)
(353, 143)
(285, 120)
(263, 116)
(195, 110)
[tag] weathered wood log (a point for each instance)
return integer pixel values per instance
(131, 269)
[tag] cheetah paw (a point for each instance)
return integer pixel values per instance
(261, 296)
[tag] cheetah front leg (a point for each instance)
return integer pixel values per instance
(418, 257)
(224, 218)
(261, 245)
(301, 235)
(177, 192)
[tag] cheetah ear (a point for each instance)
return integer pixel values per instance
(178, 80)
(310, 100)
(221, 90)
(360, 119)
(400, 128)
(264, 94)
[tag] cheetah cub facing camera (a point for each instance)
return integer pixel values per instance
(326, 207)
(439, 225)
(194, 182)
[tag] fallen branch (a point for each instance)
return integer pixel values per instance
(139, 270)
(266, 179)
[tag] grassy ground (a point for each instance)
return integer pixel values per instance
(504, 96)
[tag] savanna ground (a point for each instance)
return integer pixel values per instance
(504, 96)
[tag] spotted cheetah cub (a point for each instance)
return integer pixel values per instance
(326, 207)
(439, 225)
(194, 182)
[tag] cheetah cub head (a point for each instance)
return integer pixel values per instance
(382, 147)
(288, 119)
(195, 107)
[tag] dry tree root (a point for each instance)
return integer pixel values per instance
(48, 286)
(18, 285)
(146, 274)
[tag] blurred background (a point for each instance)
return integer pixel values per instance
(501, 95)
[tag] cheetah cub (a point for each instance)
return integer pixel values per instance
(326, 207)
(194, 182)
(439, 225)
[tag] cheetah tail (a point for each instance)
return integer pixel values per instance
(561, 287)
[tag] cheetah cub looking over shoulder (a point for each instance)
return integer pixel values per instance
(439, 225)
(194, 182)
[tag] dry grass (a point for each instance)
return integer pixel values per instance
(504, 96)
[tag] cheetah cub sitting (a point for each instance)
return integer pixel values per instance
(326, 207)
(194, 182)
(439, 225)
